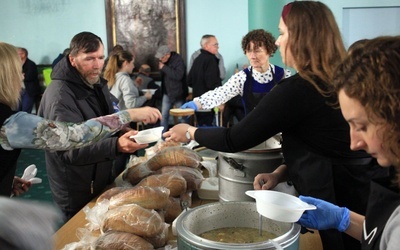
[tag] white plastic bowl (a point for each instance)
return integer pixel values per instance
(279, 206)
(148, 135)
(152, 91)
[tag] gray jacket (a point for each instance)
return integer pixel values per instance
(77, 176)
(126, 92)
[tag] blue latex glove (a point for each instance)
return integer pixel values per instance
(190, 105)
(326, 216)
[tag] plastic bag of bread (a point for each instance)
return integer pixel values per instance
(134, 174)
(172, 180)
(193, 176)
(147, 197)
(134, 219)
(160, 240)
(160, 145)
(110, 193)
(121, 241)
(173, 210)
(174, 156)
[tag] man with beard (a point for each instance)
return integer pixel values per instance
(78, 93)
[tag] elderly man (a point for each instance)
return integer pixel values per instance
(204, 75)
(78, 93)
(221, 65)
(173, 82)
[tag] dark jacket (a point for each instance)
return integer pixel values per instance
(31, 80)
(149, 83)
(204, 74)
(8, 158)
(315, 145)
(77, 176)
(173, 78)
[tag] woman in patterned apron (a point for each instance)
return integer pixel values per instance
(251, 83)
(368, 86)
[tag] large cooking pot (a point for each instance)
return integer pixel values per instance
(236, 171)
(232, 214)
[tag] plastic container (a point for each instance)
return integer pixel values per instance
(152, 91)
(148, 135)
(279, 206)
(208, 189)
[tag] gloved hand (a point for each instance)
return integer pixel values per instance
(326, 216)
(190, 105)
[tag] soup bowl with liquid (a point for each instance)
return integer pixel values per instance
(233, 225)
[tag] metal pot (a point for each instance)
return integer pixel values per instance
(232, 214)
(236, 171)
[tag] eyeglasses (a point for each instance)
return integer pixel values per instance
(215, 45)
(256, 51)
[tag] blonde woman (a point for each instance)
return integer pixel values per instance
(120, 84)
(23, 130)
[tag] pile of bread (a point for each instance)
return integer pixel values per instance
(138, 216)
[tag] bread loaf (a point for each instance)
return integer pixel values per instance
(134, 219)
(121, 241)
(151, 151)
(134, 174)
(160, 240)
(110, 193)
(147, 197)
(173, 210)
(174, 156)
(193, 176)
(172, 180)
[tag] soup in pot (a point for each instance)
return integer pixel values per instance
(238, 235)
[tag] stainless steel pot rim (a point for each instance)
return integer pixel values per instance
(283, 240)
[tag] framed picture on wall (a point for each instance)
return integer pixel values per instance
(141, 26)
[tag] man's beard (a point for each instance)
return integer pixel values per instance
(88, 75)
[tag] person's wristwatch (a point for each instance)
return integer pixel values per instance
(188, 134)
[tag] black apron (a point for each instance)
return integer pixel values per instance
(381, 204)
(343, 183)
(250, 99)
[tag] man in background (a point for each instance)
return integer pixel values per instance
(221, 65)
(32, 91)
(144, 81)
(78, 93)
(59, 57)
(173, 82)
(204, 75)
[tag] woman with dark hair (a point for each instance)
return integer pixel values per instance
(120, 84)
(316, 141)
(251, 83)
(368, 86)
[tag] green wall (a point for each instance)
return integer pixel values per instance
(265, 14)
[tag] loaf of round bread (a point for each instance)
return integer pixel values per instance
(174, 156)
(107, 195)
(172, 180)
(147, 197)
(134, 219)
(121, 241)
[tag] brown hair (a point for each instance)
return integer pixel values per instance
(85, 42)
(115, 64)
(315, 42)
(260, 38)
(371, 75)
(11, 80)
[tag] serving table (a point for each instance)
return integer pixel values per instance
(67, 233)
